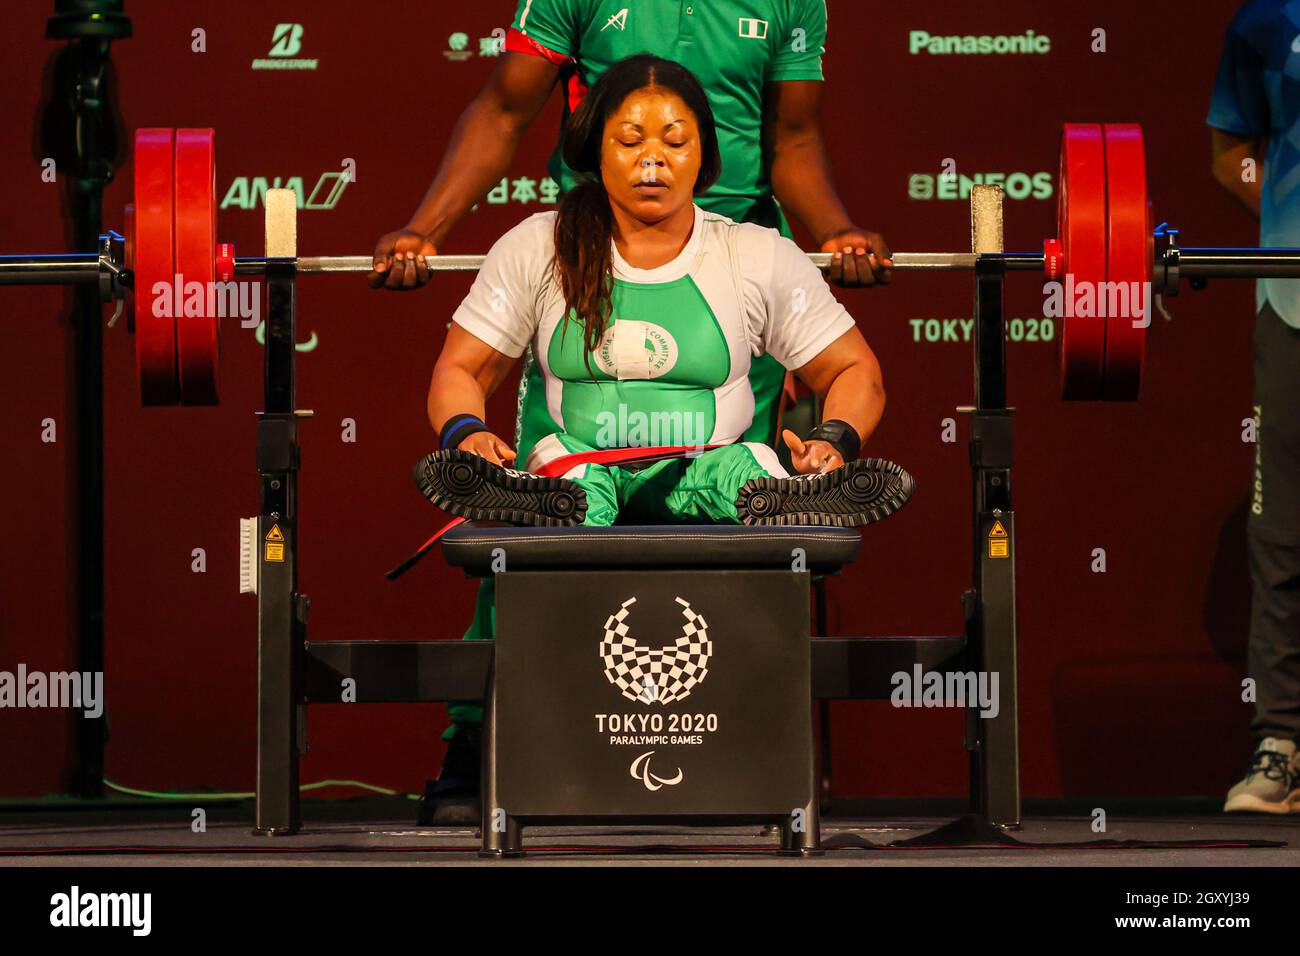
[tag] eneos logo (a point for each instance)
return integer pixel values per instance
(926, 186)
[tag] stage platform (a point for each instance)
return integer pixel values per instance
(382, 833)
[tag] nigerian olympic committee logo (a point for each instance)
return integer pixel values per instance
(642, 350)
(656, 675)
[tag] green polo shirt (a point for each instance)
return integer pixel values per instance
(734, 47)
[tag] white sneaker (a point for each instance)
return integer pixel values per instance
(1268, 784)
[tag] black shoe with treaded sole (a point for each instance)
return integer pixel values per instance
(859, 493)
(453, 800)
(472, 487)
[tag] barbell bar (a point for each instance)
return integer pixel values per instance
(822, 260)
(1211, 262)
(71, 268)
(1105, 243)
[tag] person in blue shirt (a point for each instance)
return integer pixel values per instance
(1255, 134)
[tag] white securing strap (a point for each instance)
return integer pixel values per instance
(627, 350)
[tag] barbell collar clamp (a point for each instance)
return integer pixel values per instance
(1167, 262)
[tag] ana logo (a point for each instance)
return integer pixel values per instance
(286, 42)
(618, 20)
(635, 349)
(640, 770)
(249, 192)
(662, 675)
(752, 29)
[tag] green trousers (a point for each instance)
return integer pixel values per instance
(696, 490)
(693, 490)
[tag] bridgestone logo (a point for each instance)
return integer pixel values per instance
(285, 64)
(286, 42)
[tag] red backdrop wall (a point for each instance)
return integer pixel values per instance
(1145, 658)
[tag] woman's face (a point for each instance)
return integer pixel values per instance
(650, 155)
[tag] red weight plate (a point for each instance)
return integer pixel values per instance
(1081, 225)
(1128, 270)
(153, 249)
(197, 335)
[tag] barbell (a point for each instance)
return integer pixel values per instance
(1105, 263)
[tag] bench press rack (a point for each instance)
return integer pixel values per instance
(294, 671)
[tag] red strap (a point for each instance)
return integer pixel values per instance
(617, 456)
(517, 42)
(574, 88)
(558, 466)
(425, 548)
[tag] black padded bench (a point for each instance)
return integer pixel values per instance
(650, 674)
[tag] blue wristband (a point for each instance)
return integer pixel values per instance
(459, 427)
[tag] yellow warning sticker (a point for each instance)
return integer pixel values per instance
(273, 550)
(999, 541)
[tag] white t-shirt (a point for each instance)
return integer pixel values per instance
(681, 336)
